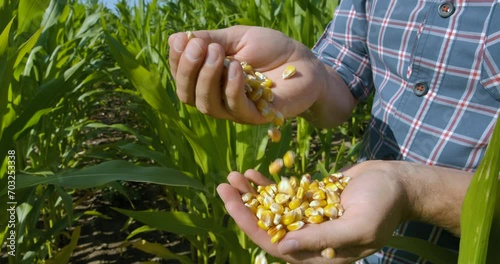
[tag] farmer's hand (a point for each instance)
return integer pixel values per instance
(198, 68)
(375, 202)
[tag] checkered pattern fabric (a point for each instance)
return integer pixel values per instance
(434, 68)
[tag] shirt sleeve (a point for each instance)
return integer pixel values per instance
(343, 47)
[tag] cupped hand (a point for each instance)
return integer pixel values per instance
(375, 202)
(202, 81)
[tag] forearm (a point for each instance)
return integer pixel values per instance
(335, 102)
(435, 194)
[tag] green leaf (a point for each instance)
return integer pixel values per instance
(158, 250)
(478, 210)
(65, 253)
(109, 171)
(30, 14)
(424, 249)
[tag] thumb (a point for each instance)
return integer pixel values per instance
(316, 237)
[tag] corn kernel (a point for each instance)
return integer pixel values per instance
(319, 195)
(261, 104)
(275, 166)
(293, 181)
(260, 76)
(328, 253)
(331, 211)
(278, 236)
(332, 197)
(267, 94)
(262, 225)
(295, 226)
(318, 203)
(261, 258)
(279, 119)
(255, 94)
(277, 219)
(273, 230)
(267, 83)
(274, 134)
(282, 198)
(252, 208)
(289, 159)
(295, 203)
(246, 67)
(288, 72)
(267, 218)
(315, 219)
(247, 197)
(277, 208)
(310, 211)
(289, 218)
(300, 192)
(284, 186)
(305, 181)
(190, 35)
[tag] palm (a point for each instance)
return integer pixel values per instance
(372, 210)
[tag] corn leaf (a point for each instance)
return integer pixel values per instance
(480, 221)
(106, 172)
(65, 253)
(423, 248)
(30, 14)
(158, 250)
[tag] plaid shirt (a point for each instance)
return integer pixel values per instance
(434, 69)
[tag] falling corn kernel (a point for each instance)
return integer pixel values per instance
(276, 166)
(288, 72)
(328, 253)
(289, 159)
(279, 119)
(261, 258)
(274, 134)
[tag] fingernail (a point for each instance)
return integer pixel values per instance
(212, 55)
(288, 246)
(231, 72)
(179, 44)
(193, 51)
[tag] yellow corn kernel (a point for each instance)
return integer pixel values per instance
(300, 192)
(345, 180)
(279, 119)
(317, 203)
(305, 181)
(310, 211)
(284, 186)
(247, 197)
(267, 83)
(313, 186)
(337, 175)
(315, 219)
(288, 72)
(328, 253)
(295, 203)
(289, 159)
(274, 134)
(262, 225)
(261, 258)
(332, 187)
(277, 208)
(254, 83)
(248, 88)
(276, 166)
(260, 198)
(267, 94)
(289, 217)
(260, 209)
(255, 94)
(282, 198)
(319, 195)
(267, 218)
(304, 205)
(260, 76)
(268, 200)
(330, 211)
(340, 186)
(252, 208)
(340, 208)
(273, 230)
(190, 35)
(247, 68)
(270, 190)
(295, 226)
(293, 181)
(261, 188)
(332, 197)
(278, 236)
(277, 219)
(261, 104)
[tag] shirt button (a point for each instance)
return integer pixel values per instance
(446, 9)
(421, 88)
